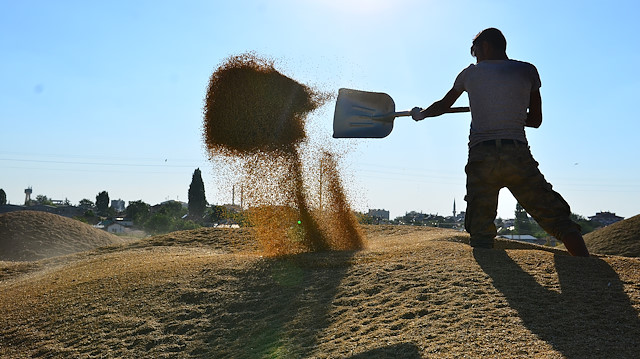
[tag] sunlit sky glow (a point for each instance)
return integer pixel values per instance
(108, 95)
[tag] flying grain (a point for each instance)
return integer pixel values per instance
(257, 116)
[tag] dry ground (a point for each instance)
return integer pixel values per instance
(412, 293)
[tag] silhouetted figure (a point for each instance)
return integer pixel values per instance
(504, 97)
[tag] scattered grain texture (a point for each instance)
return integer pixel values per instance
(413, 292)
(621, 238)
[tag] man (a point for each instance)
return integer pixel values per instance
(504, 97)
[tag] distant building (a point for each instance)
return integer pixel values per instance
(379, 213)
(606, 218)
(127, 222)
(116, 228)
(116, 225)
(226, 224)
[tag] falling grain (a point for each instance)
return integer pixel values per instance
(257, 115)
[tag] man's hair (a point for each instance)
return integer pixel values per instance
(494, 37)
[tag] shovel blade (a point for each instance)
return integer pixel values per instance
(361, 114)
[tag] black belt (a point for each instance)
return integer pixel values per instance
(500, 142)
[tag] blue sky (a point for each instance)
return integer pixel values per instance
(108, 95)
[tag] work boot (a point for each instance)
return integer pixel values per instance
(575, 244)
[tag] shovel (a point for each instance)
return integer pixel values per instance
(362, 114)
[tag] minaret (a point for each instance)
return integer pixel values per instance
(454, 208)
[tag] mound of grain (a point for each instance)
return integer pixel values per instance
(31, 235)
(620, 239)
(410, 294)
(221, 240)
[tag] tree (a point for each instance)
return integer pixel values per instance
(173, 209)
(522, 221)
(197, 199)
(3, 197)
(42, 199)
(215, 213)
(85, 203)
(168, 218)
(158, 223)
(364, 218)
(138, 211)
(90, 217)
(586, 225)
(102, 203)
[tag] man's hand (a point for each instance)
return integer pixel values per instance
(416, 114)
(437, 108)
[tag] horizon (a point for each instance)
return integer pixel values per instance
(209, 205)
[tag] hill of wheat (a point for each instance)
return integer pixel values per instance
(621, 238)
(32, 235)
(412, 293)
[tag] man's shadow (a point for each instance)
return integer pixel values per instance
(278, 309)
(591, 317)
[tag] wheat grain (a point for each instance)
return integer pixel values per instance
(256, 114)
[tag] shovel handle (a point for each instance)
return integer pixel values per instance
(450, 110)
(402, 113)
(390, 116)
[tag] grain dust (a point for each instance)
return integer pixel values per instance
(255, 116)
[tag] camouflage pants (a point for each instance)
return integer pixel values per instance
(498, 164)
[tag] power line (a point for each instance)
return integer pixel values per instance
(95, 163)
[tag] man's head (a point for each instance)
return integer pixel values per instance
(489, 44)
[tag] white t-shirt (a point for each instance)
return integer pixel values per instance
(499, 93)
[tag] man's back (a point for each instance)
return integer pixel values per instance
(499, 93)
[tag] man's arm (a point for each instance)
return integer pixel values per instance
(534, 116)
(437, 108)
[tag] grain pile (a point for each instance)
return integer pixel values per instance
(412, 293)
(31, 235)
(255, 116)
(621, 238)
